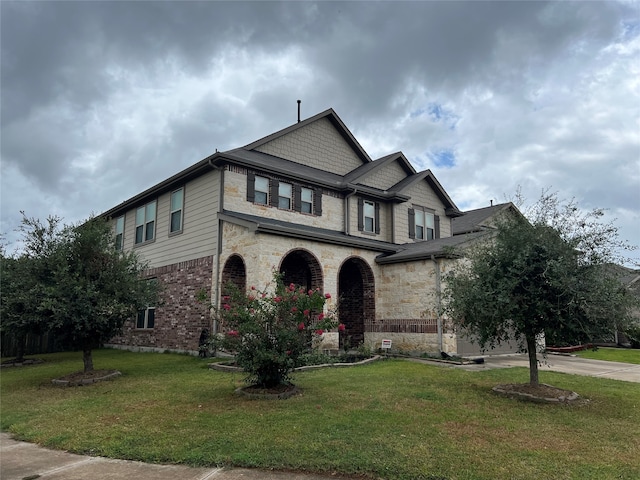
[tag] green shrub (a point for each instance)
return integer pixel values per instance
(269, 331)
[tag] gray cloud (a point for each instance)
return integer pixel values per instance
(102, 99)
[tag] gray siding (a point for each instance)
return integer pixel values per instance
(199, 234)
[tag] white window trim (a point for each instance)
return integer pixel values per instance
(146, 319)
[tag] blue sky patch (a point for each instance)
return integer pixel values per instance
(444, 158)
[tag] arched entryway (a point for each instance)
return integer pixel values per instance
(301, 267)
(356, 290)
(234, 272)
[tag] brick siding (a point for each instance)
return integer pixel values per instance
(179, 318)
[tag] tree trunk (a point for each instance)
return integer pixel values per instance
(88, 360)
(533, 360)
(21, 340)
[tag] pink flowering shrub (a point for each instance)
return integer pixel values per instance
(269, 332)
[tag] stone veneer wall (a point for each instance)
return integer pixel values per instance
(179, 318)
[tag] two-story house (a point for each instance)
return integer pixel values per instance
(309, 202)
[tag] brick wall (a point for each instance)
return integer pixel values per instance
(179, 318)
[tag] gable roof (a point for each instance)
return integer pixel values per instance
(330, 115)
(359, 173)
(450, 208)
(477, 220)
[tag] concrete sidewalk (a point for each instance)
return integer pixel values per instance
(561, 363)
(22, 461)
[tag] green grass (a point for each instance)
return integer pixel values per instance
(626, 355)
(392, 419)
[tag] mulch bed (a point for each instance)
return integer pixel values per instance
(25, 362)
(542, 393)
(77, 379)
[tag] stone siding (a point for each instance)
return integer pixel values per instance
(235, 200)
(179, 317)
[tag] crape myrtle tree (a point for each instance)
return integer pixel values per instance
(541, 273)
(96, 287)
(269, 331)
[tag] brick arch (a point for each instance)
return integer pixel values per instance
(234, 272)
(356, 293)
(302, 268)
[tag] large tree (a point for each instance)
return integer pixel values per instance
(542, 273)
(97, 287)
(26, 281)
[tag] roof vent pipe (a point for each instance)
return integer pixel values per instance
(299, 102)
(491, 201)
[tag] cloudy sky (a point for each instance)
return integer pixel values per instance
(101, 100)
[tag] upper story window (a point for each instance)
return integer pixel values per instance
(119, 232)
(146, 222)
(306, 200)
(423, 224)
(368, 216)
(177, 204)
(285, 195)
(261, 190)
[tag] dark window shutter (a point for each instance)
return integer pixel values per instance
(360, 214)
(412, 223)
(317, 202)
(297, 198)
(436, 226)
(251, 187)
(377, 210)
(273, 193)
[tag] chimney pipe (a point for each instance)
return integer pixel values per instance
(299, 102)
(491, 202)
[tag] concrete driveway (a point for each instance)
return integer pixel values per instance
(565, 364)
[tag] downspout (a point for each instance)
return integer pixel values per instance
(346, 210)
(216, 283)
(438, 300)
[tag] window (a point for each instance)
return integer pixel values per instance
(177, 199)
(285, 194)
(423, 224)
(261, 190)
(145, 222)
(119, 231)
(369, 213)
(368, 216)
(146, 318)
(306, 200)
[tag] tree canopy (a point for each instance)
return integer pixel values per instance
(545, 275)
(88, 288)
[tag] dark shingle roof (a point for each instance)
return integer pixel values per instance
(442, 247)
(474, 220)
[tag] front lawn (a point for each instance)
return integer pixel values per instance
(392, 419)
(626, 355)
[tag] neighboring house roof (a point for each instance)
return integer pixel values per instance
(479, 219)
